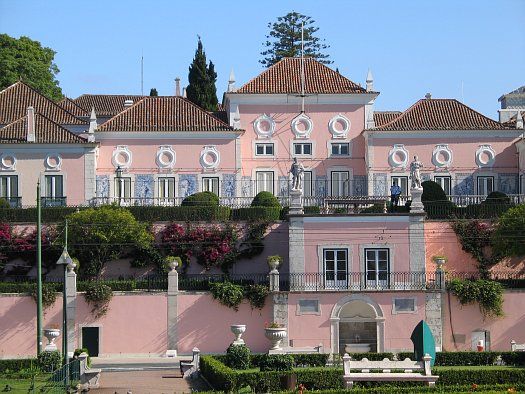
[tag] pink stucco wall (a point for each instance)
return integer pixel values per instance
(465, 319)
(319, 163)
(144, 152)
(311, 330)
(353, 234)
(463, 151)
(204, 323)
(441, 240)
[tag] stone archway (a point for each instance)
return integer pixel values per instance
(357, 318)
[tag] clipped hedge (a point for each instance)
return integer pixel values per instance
(180, 213)
(466, 358)
(513, 358)
(458, 376)
(49, 215)
(217, 374)
(201, 199)
(256, 213)
(26, 287)
(16, 365)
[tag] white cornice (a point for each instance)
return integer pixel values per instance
(47, 147)
(294, 99)
(166, 135)
(356, 219)
(433, 134)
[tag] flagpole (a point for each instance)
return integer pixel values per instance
(302, 67)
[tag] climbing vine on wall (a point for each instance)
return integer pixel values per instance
(487, 293)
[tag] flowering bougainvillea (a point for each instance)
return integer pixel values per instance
(211, 246)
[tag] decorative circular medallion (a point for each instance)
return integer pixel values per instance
(302, 126)
(121, 157)
(339, 126)
(398, 156)
(8, 161)
(166, 157)
(210, 157)
(264, 126)
(442, 156)
(485, 156)
(53, 161)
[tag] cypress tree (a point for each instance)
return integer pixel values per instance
(201, 89)
(153, 92)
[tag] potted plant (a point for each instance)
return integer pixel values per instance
(274, 261)
(440, 260)
(275, 333)
(51, 333)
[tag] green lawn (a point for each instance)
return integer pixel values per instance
(22, 385)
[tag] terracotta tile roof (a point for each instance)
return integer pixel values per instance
(46, 132)
(440, 114)
(70, 106)
(285, 77)
(15, 99)
(382, 117)
(105, 104)
(164, 113)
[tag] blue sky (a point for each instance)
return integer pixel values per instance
(412, 47)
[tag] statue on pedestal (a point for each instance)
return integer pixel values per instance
(297, 174)
(415, 175)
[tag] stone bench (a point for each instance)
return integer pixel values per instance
(411, 371)
(188, 368)
(89, 377)
(517, 347)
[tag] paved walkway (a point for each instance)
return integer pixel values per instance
(152, 375)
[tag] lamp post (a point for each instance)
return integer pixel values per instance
(118, 176)
(39, 312)
(68, 264)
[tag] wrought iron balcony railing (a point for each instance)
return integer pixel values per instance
(48, 202)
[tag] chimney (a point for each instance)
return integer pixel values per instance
(231, 82)
(428, 96)
(128, 103)
(92, 125)
(31, 137)
(369, 82)
(184, 93)
(237, 119)
(177, 86)
(519, 121)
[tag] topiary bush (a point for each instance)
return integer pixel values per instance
(202, 199)
(49, 361)
(276, 362)
(435, 201)
(265, 199)
(238, 356)
(497, 198)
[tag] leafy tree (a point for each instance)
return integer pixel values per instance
(153, 92)
(98, 235)
(202, 77)
(510, 233)
(284, 40)
(26, 59)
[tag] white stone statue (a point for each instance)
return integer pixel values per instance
(297, 173)
(415, 175)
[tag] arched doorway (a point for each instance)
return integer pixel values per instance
(357, 325)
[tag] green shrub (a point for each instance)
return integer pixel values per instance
(49, 361)
(256, 295)
(435, 201)
(256, 213)
(513, 358)
(510, 232)
(320, 378)
(16, 365)
(227, 293)
(465, 358)
(276, 362)
(4, 204)
(376, 208)
(238, 356)
(98, 295)
(181, 213)
(77, 353)
(372, 356)
(265, 199)
(220, 376)
(497, 198)
(487, 293)
(201, 199)
(457, 376)
(310, 359)
(49, 215)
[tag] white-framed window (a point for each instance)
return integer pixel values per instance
(335, 264)
(123, 190)
(404, 305)
(307, 184)
(445, 183)
(485, 185)
(402, 182)
(308, 307)
(166, 188)
(210, 184)
(302, 148)
(264, 181)
(9, 186)
(340, 149)
(377, 267)
(266, 149)
(340, 182)
(54, 186)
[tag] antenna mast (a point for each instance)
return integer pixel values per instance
(142, 75)
(302, 67)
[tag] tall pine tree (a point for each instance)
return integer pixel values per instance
(201, 88)
(284, 40)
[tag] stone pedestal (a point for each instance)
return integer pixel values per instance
(417, 205)
(296, 202)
